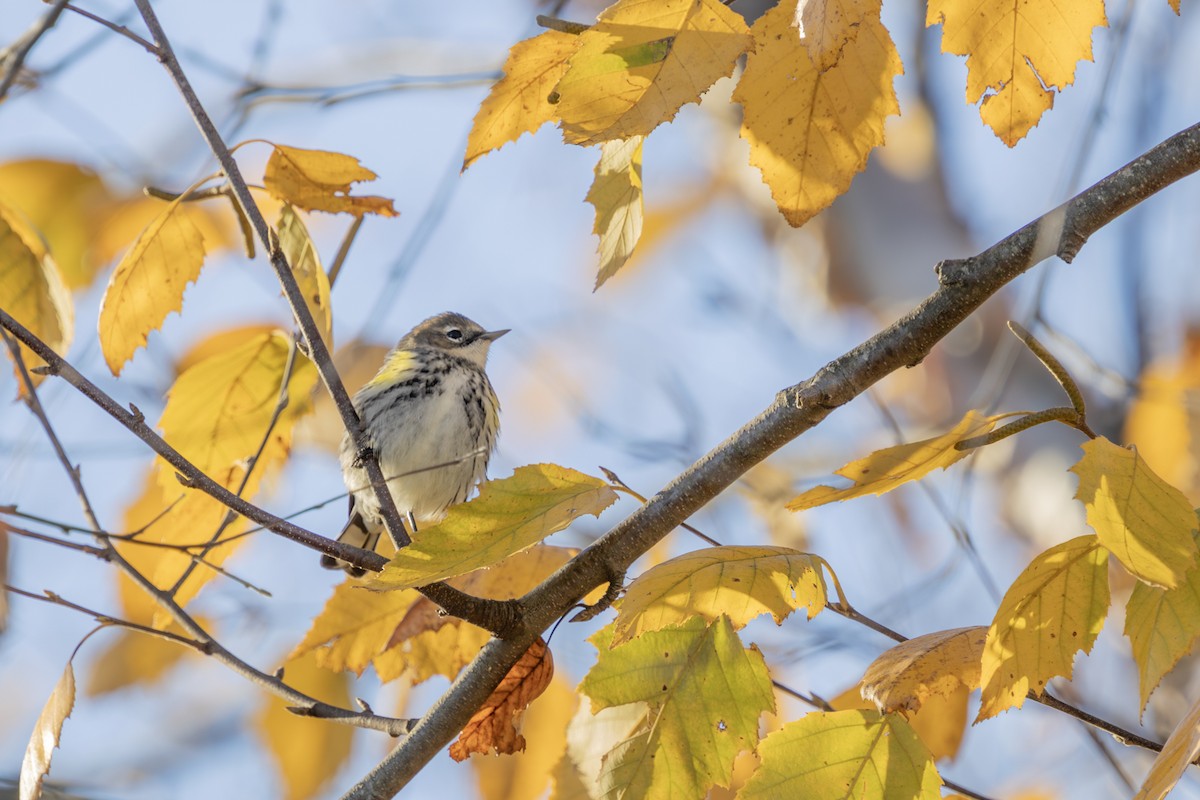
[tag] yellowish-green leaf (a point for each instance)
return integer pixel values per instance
(641, 62)
(318, 180)
(65, 203)
(890, 467)
(740, 582)
(1181, 748)
(811, 131)
(46, 734)
(302, 257)
(32, 290)
(1054, 609)
(1163, 626)
(1146, 523)
(617, 195)
(520, 101)
(307, 752)
(509, 515)
(704, 692)
(844, 754)
(1018, 54)
(148, 284)
(904, 677)
(827, 26)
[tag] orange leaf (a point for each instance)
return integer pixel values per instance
(493, 728)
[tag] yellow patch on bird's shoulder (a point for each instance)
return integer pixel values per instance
(396, 367)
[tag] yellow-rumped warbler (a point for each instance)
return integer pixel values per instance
(432, 419)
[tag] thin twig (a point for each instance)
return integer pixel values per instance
(115, 28)
(13, 57)
(335, 268)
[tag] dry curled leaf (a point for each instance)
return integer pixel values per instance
(494, 726)
(902, 678)
(46, 735)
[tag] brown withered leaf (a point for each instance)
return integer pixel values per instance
(494, 726)
(422, 616)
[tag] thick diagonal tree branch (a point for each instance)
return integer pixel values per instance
(964, 286)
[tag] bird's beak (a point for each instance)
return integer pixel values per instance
(491, 336)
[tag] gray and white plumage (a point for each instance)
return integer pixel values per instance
(432, 418)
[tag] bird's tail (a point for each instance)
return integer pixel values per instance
(355, 534)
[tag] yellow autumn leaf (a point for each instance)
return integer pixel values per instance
(519, 102)
(1181, 748)
(318, 180)
(148, 284)
(354, 627)
(64, 202)
(1146, 523)
(1164, 418)
(703, 692)
(1054, 609)
(217, 415)
(811, 131)
(302, 257)
(905, 676)
(890, 467)
(525, 775)
(219, 409)
(739, 582)
(617, 195)
(827, 26)
(641, 62)
(508, 516)
(1174, 6)
(1018, 53)
(46, 734)
(307, 752)
(844, 754)
(32, 290)
(1163, 626)
(940, 723)
(121, 223)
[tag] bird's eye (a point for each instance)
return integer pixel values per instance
(455, 334)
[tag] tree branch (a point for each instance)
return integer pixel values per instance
(964, 286)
